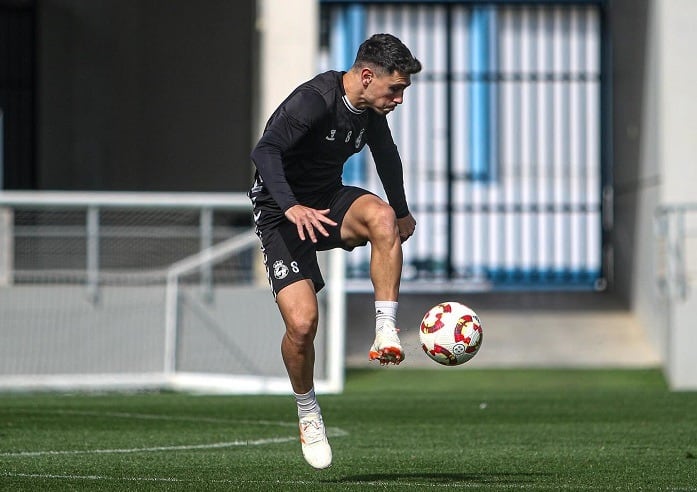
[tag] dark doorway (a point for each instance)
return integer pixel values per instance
(17, 94)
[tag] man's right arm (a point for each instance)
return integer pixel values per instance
(292, 121)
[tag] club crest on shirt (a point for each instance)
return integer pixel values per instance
(280, 270)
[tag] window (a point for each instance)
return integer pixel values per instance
(500, 136)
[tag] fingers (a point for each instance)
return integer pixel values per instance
(403, 236)
(314, 220)
(301, 231)
(323, 217)
(406, 226)
(405, 232)
(309, 220)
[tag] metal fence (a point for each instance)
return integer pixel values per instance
(133, 290)
(676, 252)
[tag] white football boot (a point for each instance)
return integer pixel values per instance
(313, 438)
(386, 348)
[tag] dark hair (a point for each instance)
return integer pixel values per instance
(386, 52)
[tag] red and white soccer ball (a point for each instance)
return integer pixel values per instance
(451, 333)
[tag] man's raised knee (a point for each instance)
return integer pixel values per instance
(382, 223)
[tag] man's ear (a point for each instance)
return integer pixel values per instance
(366, 76)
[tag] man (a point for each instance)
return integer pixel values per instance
(301, 207)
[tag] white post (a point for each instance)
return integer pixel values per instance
(93, 254)
(336, 319)
(171, 322)
(6, 246)
(205, 242)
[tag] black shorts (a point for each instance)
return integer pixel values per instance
(287, 257)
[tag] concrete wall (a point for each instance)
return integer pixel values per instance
(634, 161)
(676, 119)
(676, 70)
(655, 143)
(288, 50)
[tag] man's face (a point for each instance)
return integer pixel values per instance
(385, 92)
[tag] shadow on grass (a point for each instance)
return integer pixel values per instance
(440, 478)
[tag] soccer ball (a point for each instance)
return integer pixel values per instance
(450, 333)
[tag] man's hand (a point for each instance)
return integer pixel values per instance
(308, 219)
(406, 226)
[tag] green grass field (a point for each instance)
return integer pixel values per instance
(393, 429)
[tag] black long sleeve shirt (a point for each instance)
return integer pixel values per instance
(310, 136)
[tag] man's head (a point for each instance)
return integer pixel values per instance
(386, 54)
(385, 66)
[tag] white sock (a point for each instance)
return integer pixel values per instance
(307, 403)
(385, 311)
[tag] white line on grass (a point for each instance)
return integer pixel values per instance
(153, 416)
(378, 483)
(331, 432)
(154, 449)
(91, 477)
